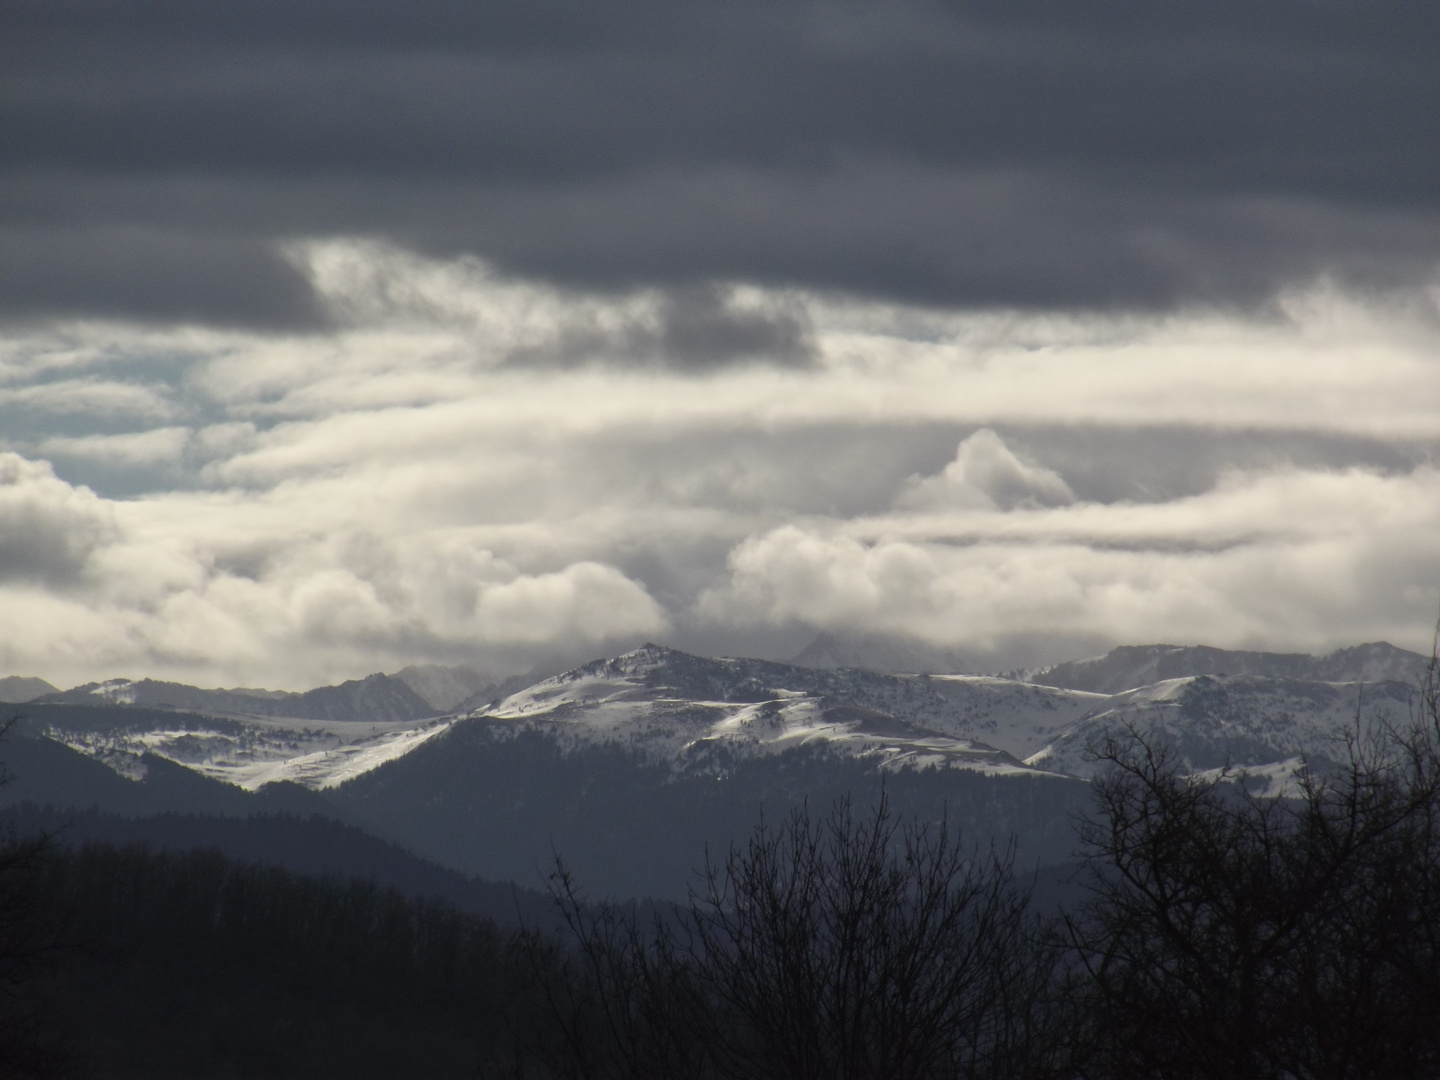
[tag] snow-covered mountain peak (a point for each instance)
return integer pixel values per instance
(1245, 721)
(115, 691)
(671, 705)
(649, 674)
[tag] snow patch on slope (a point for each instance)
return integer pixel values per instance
(639, 700)
(254, 752)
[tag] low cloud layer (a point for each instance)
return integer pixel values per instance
(431, 477)
(986, 474)
(1285, 557)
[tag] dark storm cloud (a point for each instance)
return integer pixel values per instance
(694, 327)
(1119, 154)
(698, 325)
(142, 273)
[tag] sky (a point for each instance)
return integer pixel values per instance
(336, 337)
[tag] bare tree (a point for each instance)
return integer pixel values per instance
(1237, 936)
(853, 948)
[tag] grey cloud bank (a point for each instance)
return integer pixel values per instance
(336, 338)
(1113, 155)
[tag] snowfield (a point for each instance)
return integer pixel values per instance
(255, 751)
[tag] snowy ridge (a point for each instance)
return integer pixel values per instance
(693, 712)
(1132, 666)
(673, 706)
(375, 697)
(255, 751)
(1245, 721)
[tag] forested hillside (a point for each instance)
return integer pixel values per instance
(191, 965)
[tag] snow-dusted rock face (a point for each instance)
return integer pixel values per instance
(248, 752)
(319, 738)
(675, 707)
(1246, 721)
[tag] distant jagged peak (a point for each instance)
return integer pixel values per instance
(445, 688)
(652, 657)
(1129, 666)
(119, 691)
(123, 691)
(375, 697)
(1244, 721)
(646, 660)
(17, 689)
(1375, 661)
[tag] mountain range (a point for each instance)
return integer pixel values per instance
(376, 698)
(1131, 666)
(630, 766)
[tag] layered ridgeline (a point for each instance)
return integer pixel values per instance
(629, 767)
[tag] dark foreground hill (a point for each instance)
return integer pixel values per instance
(192, 965)
(305, 845)
(501, 803)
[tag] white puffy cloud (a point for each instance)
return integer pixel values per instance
(94, 585)
(1282, 560)
(586, 601)
(987, 473)
(48, 529)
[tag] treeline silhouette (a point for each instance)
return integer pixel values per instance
(1223, 936)
(191, 965)
(307, 844)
